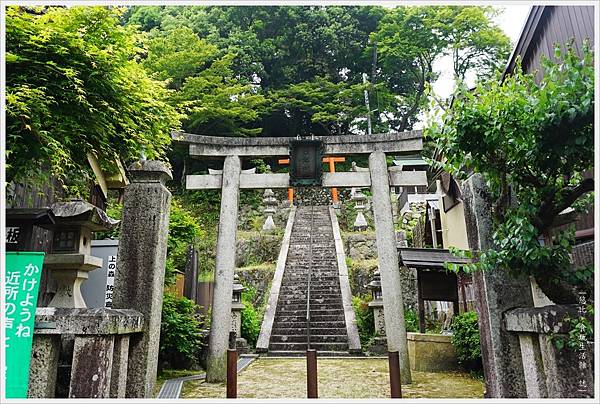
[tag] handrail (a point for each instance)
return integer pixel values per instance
(310, 268)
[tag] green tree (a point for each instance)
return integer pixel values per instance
(408, 42)
(73, 87)
(532, 143)
(210, 97)
(475, 41)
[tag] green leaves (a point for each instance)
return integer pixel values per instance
(74, 88)
(532, 144)
(465, 339)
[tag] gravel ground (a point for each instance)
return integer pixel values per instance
(338, 378)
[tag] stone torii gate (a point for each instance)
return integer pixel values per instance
(379, 178)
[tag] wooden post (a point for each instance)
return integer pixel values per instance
(311, 374)
(394, 366)
(231, 373)
(421, 304)
(334, 193)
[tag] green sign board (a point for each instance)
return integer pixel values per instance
(23, 270)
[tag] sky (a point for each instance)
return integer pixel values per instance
(511, 20)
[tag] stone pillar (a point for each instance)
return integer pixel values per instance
(533, 367)
(140, 279)
(91, 370)
(43, 367)
(495, 293)
(387, 253)
(118, 383)
(216, 369)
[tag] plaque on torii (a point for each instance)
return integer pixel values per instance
(306, 168)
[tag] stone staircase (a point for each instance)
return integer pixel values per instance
(328, 327)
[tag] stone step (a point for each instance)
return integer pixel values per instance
(319, 346)
(303, 353)
(316, 318)
(313, 306)
(317, 338)
(301, 330)
(313, 324)
(314, 314)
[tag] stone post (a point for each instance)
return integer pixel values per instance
(495, 293)
(216, 369)
(44, 363)
(140, 278)
(91, 371)
(387, 254)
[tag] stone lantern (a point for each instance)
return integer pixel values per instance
(380, 341)
(236, 311)
(360, 223)
(270, 208)
(70, 259)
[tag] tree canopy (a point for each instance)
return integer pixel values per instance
(73, 86)
(112, 82)
(299, 70)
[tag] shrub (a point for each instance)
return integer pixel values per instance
(365, 320)
(180, 337)
(411, 320)
(250, 323)
(465, 338)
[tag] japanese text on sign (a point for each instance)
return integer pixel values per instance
(110, 280)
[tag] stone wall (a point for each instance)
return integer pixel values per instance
(259, 278)
(254, 247)
(431, 352)
(360, 245)
(361, 273)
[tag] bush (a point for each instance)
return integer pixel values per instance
(250, 323)
(465, 338)
(180, 337)
(411, 320)
(365, 320)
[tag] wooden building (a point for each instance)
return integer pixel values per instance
(545, 27)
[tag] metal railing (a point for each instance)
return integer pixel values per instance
(310, 268)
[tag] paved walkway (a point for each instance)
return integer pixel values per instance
(364, 378)
(172, 388)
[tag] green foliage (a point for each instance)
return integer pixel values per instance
(180, 338)
(251, 318)
(365, 320)
(411, 320)
(580, 330)
(73, 87)
(532, 144)
(184, 231)
(465, 339)
(408, 42)
(299, 70)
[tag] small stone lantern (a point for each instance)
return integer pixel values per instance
(70, 259)
(360, 223)
(380, 342)
(236, 311)
(270, 208)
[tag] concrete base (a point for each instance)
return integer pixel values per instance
(431, 352)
